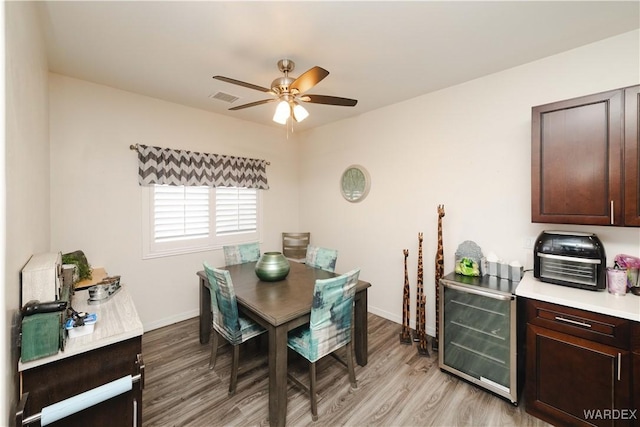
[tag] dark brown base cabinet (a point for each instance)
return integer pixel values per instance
(89, 364)
(582, 368)
(57, 381)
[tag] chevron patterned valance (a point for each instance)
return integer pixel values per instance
(158, 165)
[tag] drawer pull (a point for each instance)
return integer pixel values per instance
(573, 322)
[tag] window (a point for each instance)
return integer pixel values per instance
(236, 210)
(183, 219)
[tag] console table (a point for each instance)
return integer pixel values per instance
(111, 352)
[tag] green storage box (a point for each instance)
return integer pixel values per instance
(40, 335)
(43, 334)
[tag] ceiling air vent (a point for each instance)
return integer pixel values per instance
(224, 97)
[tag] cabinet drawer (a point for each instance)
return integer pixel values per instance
(580, 323)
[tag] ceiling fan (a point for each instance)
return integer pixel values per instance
(290, 92)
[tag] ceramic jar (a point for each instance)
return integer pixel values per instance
(272, 266)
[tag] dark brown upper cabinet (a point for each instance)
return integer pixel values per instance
(580, 160)
(632, 156)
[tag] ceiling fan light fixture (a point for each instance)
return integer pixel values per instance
(290, 91)
(299, 112)
(283, 111)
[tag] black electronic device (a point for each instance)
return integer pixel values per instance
(35, 307)
(570, 259)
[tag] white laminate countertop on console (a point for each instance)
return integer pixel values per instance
(626, 306)
(117, 321)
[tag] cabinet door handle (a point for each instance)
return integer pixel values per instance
(612, 216)
(135, 412)
(619, 365)
(573, 322)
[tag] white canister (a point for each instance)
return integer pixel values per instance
(504, 270)
(493, 268)
(515, 271)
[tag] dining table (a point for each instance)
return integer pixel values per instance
(279, 307)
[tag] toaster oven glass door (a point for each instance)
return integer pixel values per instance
(570, 270)
(479, 337)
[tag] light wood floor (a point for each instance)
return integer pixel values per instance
(396, 388)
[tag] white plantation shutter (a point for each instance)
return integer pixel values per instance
(180, 212)
(187, 219)
(236, 210)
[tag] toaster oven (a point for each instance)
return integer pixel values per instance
(570, 259)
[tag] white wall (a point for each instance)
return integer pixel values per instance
(467, 147)
(96, 200)
(26, 162)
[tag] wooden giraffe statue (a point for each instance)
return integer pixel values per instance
(439, 274)
(421, 333)
(405, 335)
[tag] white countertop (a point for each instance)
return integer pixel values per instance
(117, 321)
(626, 306)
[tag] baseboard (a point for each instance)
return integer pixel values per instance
(385, 314)
(170, 320)
(195, 313)
(431, 330)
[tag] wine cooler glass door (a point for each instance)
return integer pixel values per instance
(479, 337)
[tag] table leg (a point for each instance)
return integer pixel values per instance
(278, 375)
(205, 312)
(361, 344)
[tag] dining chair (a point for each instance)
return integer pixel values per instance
(239, 254)
(227, 321)
(328, 330)
(321, 258)
(294, 245)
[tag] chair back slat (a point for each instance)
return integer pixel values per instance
(240, 254)
(224, 304)
(331, 313)
(322, 258)
(294, 245)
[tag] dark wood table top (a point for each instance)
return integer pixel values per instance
(282, 301)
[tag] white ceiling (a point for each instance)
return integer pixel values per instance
(379, 53)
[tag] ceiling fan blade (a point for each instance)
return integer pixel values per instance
(309, 79)
(241, 83)
(329, 100)
(252, 104)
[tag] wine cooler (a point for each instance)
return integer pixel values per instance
(478, 332)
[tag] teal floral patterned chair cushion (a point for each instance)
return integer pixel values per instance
(234, 327)
(239, 254)
(321, 258)
(330, 325)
